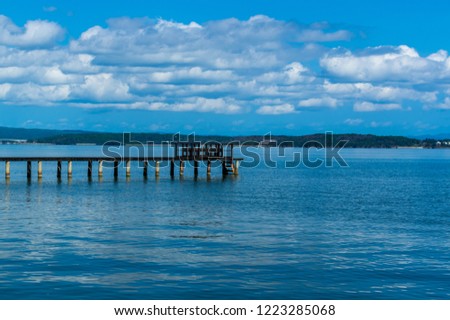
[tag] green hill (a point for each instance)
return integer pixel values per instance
(353, 140)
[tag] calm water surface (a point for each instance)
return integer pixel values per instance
(379, 229)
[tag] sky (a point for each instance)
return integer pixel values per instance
(226, 67)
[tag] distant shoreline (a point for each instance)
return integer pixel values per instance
(160, 144)
(83, 138)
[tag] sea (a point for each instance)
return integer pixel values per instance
(375, 228)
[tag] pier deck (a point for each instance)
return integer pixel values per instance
(183, 152)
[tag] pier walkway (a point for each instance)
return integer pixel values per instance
(183, 152)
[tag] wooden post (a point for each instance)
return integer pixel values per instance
(181, 168)
(116, 169)
(195, 168)
(208, 168)
(69, 169)
(176, 151)
(7, 170)
(224, 169)
(236, 165)
(58, 170)
(128, 168)
(100, 168)
(39, 169)
(145, 169)
(29, 170)
(172, 168)
(157, 168)
(90, 169)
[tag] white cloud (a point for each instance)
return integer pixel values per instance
(364, 90)
(321, 36)
(370, 107)
(158, 126)
(4, 90)
(440, 56)
(375, 124)
(400, 63)
(50, 9)
(37, 75)
(445, 105)
(196, 104)
(259, 42)
(32, 123)
(277, 110)
(101, 87)
(191, 74)
(293, 73)
(260, 65)
(320, 102)
(353, 122)
(163, 25)
(35, 33)
(29, 93)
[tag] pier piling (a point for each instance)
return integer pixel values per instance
(59, 170)
(224, 169)
(157, 168)
(7, 170)
(181, 168)
(208, 168)
(195, 168)
(236, 165)
(100, 168)
(69, 169)
(116, 169)
(172, 168)
(128, 170)
(90, 169)
(29, 167)
(39, 169)
(145, 171)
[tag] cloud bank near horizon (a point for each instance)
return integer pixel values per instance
(260, 65)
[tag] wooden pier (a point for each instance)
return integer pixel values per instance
(183, 152)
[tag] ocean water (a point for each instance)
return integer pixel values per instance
(377, 229)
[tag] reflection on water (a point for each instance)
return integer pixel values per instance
(377, 230)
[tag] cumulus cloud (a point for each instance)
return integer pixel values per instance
(353, 122)
(400, 63)
(277, 110)
(321, 36)
(444, 105)
(101, 88)
(198, 104)
(375, 124)
(27, 93)
(370, 107)
(37, 75)
(292, 73)
(368, 91)
(259, 42)
(319, 102)
(259, 65)
(35, 33)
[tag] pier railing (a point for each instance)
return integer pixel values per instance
(196, 150)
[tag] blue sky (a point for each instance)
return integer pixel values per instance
(234, 67)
